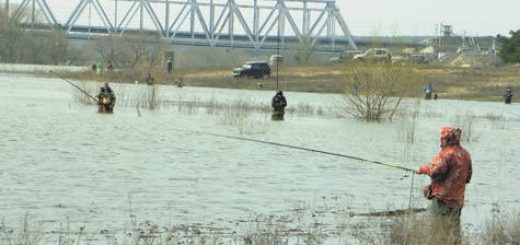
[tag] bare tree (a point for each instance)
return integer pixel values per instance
(13, 38)
(108, 48)
(375, 90)
(303, 51)
(46, 45)
(145, 50)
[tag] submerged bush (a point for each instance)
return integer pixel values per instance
(375, 90)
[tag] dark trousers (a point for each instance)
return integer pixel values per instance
(508, 99)
(447, 219)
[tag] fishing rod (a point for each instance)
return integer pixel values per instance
(313, 150)
(74, 85)
(277, 56)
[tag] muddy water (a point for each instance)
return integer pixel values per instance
(61, 162)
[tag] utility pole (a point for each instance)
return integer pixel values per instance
(7, 9)
(115, 17)
(167, 19)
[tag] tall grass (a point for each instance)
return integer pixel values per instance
(81, 97)
(465, 122)
(502, 228)
(302, 226)
(410, 114)
(30, 232)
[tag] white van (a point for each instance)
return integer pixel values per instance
(381, 54)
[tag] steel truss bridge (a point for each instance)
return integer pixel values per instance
(256, 24)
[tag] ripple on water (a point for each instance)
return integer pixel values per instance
(70, 162)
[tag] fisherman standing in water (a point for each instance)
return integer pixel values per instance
(278, 103)
(450, 171)
(106, 99)
(428, 90)
(508, 95)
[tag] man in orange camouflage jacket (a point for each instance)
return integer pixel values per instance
(450, 171)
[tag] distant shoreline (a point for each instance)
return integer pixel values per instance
(29, 68)
(474, 83)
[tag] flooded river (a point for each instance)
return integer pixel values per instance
(69, 167)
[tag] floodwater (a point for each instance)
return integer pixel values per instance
(67, 166)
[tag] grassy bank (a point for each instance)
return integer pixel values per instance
(482, 84)
(485, 84)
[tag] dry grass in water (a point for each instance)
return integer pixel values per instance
(30, 232)
(465, 123)
(502, 228)
(300, 226)
(419, 230)
(81, 97)
(410, 113)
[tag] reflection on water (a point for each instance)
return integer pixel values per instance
(63, 162)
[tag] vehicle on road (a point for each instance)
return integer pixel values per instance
(256, 69)
(374, 54)
(419, 59)
(276, 59)
(339, 59)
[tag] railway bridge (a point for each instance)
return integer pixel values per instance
(254, 24)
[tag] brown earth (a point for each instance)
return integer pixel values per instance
(465, 83)
(486, 84)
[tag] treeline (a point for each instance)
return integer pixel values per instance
(19, 43)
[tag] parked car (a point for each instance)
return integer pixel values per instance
(276, 59)
(419, 59)
(254, 69)
(374, 54)
(338, 59)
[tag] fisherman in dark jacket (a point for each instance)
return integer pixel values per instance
(106, 99)
(279, 103)
(508, 95)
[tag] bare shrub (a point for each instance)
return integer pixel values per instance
(375, 90)
(303, 50)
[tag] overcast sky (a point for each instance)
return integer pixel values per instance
(387, 17)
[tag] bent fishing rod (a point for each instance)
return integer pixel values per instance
(311, 150)
(76, 86)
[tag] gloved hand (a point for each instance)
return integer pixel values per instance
(423, 169)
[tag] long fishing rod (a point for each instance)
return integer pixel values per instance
(74, 85)
(277, 54)
(313, 150)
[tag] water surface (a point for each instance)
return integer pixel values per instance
(63, 162)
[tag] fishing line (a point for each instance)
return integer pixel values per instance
(306, 149)
(411, 191)
(74, 85)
